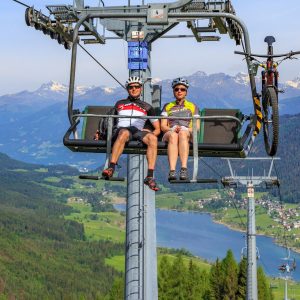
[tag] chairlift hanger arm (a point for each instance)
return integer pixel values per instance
(142, 16)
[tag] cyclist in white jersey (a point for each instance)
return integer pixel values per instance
(133, 129)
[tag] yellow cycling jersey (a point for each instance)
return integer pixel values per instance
(186, 109)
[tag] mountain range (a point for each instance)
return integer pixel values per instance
(33, 123)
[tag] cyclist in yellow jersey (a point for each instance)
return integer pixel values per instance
(178, 132)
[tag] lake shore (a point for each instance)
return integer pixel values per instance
(122, 200)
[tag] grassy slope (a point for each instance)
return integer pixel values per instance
(171, 200)
(99, 226)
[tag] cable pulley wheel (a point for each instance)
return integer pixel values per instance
(28, 16)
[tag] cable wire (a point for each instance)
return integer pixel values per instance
(21, 3)
(282, 217)
(210, 167)
(232, 198)
(237, 210)
(102, 66)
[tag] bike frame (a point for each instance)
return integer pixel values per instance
(270, 74)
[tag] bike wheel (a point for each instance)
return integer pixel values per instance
(270, 120)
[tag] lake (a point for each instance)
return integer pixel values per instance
(197, 233)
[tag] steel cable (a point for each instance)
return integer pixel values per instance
(282, 216)
(210, 167)
(21, 3)
(232, 198)
(101, 66)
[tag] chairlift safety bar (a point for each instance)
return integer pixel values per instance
(194, 125)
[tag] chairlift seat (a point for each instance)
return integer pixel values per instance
(217, 137)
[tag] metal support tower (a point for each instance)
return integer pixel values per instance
(251, 243)
(141, 270)
(250, 182)
(286, 288)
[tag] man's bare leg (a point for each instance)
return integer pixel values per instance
(117, 150)
(151, 141)
(119, 145)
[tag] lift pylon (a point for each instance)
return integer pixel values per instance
(250, 182)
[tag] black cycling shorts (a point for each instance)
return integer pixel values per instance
(134, 133)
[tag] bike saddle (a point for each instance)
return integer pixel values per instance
(269, 40)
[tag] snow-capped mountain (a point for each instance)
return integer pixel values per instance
(217, 87)
(32, 124)
(242, 78)
(293, 83)
(49, 93)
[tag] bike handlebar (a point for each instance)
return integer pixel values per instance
(289, 54)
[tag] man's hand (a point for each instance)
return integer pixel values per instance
(97, 135)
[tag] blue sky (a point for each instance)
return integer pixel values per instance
(28, 58)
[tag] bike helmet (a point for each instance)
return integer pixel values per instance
(133, 79)
(178, 81)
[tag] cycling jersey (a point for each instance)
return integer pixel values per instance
(133, 108)
(186, 109)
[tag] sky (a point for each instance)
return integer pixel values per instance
(29, 58)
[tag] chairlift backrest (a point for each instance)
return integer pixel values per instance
(220, 131)
(91, 124)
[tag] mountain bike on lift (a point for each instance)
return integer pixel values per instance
(269, 91)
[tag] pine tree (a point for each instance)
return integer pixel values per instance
(242, 280)
(230, 272)
(117, 291)
(178, 280)
(195, 282)
(164, 270)
(263, 286)
(216, 282)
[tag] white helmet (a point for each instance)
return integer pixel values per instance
(133, 79)
(178, 81)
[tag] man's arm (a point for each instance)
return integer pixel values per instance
(156, 125)
(155, 122)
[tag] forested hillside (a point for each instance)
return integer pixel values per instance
(43, 255)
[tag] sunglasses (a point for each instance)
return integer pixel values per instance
(131, 87)
(180, 89)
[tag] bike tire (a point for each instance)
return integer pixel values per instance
(271, 121)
